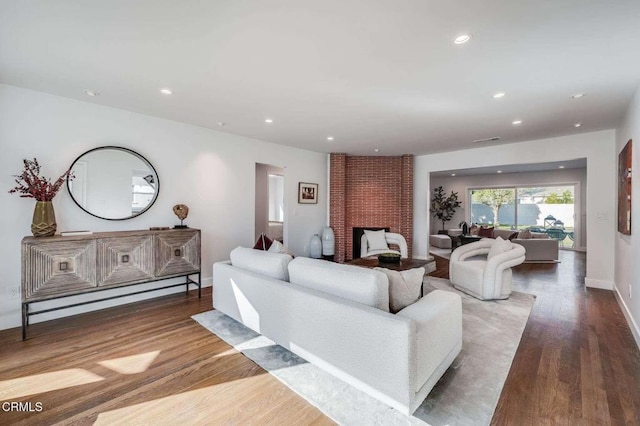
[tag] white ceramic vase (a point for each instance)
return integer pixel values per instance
(315, 247)
(328, 241)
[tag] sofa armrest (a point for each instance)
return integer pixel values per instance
(438, 319)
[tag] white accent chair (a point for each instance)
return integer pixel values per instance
(391, 238)
(481, 278)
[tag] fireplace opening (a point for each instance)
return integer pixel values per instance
(357, 237)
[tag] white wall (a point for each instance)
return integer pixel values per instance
(627, 247)
(597, 147)
(212, 172)
(461, 184)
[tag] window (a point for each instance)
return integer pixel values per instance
(548, 209)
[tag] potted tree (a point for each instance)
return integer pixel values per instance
(444, 206)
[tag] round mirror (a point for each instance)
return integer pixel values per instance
(113, 183)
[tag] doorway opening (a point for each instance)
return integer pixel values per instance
(270, 209)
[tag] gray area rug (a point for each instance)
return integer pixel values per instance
(467, 394)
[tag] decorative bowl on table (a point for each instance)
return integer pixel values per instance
(389, 258)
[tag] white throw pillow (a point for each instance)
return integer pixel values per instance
(499, 246)
(404, 287)
(277, 247)
(376, 240)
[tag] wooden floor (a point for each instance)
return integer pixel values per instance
(150, 363)
(145, 363)
(577, 363)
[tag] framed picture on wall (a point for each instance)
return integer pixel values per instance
(307, 193)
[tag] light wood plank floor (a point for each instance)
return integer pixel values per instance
(143, 363)
(150, 363)
(577, 363)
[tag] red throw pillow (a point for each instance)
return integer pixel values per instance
(485, 232)
(263, 243)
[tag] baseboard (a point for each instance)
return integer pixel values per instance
(602, 284)
(635, 330)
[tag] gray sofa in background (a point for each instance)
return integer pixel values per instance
(538, 248)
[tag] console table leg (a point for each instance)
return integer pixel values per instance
(199, 285)
(25, 318)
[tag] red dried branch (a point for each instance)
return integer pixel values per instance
(31, 185)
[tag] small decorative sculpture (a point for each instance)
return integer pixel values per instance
(182, 211)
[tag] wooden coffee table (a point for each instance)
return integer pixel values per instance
(404, 264)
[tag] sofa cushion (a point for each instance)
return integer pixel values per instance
(485, 232)
(404, 287)
(524, 235)
(504, 233)
(355, 283)
(263, 262)
(376, 240)
(499, 246)
(540, 235)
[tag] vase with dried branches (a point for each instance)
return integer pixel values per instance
(30, 184)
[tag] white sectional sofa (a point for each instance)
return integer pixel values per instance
(336, 316)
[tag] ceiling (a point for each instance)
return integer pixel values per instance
(579, 163)
(373, 74)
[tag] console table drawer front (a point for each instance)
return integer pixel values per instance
(57, 268)
(177, 253)
(124, 259)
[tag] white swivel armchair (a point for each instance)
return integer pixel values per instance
(391, 238)
(485, 278)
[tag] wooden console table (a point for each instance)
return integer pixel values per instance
(56, 267)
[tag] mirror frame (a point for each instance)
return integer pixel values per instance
(129, 151)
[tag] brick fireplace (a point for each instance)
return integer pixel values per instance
(370, 192)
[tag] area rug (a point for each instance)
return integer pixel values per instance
(467, 394)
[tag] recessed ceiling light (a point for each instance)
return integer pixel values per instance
(221, 123)
(329, 138)
(166, 91)
(577, 125)
(462, 38)
(91, 93)
(499, 171)
(376, 150)
(268, 120)
(453, 174)
(516, 122)
(578, 95)
(561, 167)
(499, 95)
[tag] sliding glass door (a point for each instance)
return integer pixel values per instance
(548, 209)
